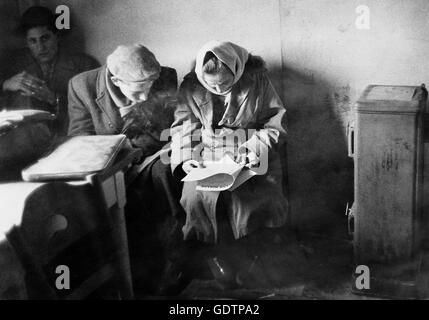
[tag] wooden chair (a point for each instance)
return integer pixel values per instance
(80, 225)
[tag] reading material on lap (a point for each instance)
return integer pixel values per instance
(222, 175)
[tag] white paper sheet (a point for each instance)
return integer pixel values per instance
(225, 174)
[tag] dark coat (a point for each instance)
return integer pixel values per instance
(67, 66)
(152, 198)
(254, 106)
(92, 110)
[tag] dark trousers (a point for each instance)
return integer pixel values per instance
(154, 223)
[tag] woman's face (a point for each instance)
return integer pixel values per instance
(221, 82)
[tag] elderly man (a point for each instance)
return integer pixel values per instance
(132, 94)
(37, 77)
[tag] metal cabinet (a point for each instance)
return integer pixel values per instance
(388, 158)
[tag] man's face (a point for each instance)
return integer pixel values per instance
(134, 94)
(43, 44)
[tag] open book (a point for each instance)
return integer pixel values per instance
(225, 174)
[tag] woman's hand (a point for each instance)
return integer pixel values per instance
(30, 86)
(249, 159)
(187, 166)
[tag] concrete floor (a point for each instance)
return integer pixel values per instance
(311, 269)
(274, 265)
(280, 266)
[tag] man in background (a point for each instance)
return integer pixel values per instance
(37, 76)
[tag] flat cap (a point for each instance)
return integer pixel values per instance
(35, 17)
(133, 63)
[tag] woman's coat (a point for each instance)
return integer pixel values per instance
(255, 107)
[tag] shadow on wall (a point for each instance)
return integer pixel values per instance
(75, 40)
(320, 173)
(72, 40)
(8, 21)
(9, 18)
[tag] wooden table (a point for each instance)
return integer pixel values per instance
(65, 204)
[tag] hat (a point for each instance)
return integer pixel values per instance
(133, 64)
(35, 17)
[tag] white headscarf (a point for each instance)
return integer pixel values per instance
(232, 55)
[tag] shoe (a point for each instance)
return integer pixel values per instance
(174, 280)
(223, 272)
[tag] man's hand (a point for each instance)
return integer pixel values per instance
(43, 93)
(30, 86)
(249, 159)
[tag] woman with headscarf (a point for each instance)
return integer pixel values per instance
(229, 91)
